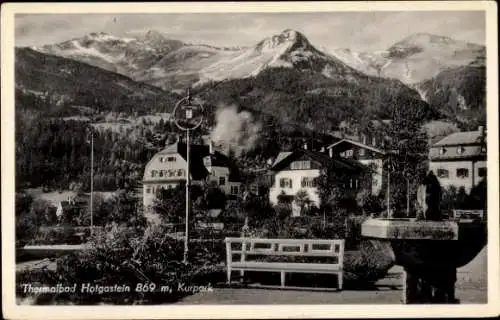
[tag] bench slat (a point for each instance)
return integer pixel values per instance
(287, 266)
(283, 241)
(332, 248)
(296, 254)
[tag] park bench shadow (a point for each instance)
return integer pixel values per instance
(298, 282)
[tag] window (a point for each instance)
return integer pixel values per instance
(347, 154)
(162, 159)
(161, 173)
(462, 173)
(153, 173)
(285, 183)
(442, 151)
(361, 152)
(481, 172)
(171, 173)
(460, 150)
(308, 182)
(300, 165)
(234, 189)
(443, 173)
(171, 159)
(180, 172)
(148, 190)
(222, 181)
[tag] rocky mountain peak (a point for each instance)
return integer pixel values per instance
(286, 38)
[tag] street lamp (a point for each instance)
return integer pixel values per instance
(188, 116)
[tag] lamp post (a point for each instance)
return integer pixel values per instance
(390, 166)
(91, 141)
(188, 116)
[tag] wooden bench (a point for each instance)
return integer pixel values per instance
(248, 247)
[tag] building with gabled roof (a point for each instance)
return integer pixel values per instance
(167, 169)
(459, 159)
(369, 155)
(298, 171)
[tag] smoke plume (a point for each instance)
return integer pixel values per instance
(235, 131)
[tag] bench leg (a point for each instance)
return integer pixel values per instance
(282, 279)
(340, 277)
(228, 275)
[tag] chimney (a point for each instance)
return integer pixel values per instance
(330, 152)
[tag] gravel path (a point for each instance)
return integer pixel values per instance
(470, 288)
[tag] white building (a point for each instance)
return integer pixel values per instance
(460, 159)
(167, 169)
(297, 171)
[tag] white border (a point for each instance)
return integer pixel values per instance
(11, 310)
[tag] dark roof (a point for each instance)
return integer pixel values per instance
(281, 156)
(325, 160)
(461, 138)
(451, 152)
(356, 143)
(196, 154)
(459, 145)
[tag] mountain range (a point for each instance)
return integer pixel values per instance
(154, 58)
(416, 58)
(436, 69)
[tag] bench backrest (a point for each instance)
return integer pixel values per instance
(286, 247)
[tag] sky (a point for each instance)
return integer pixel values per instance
(359, 31)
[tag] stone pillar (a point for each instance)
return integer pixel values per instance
(429, 286)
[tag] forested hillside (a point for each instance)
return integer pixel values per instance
(291, 99)
(459, 94)
(67, 83)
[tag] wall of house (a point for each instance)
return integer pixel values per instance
(378, 174)
(160, 163)
(216, 173)
(453, 179)
(477, 166)
(296, 177)
(153, 184)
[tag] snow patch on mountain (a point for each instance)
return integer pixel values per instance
(91, 51)
(288, 49)
(414, 59)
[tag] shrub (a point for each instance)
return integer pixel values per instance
(363, 267)
(126, 257)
